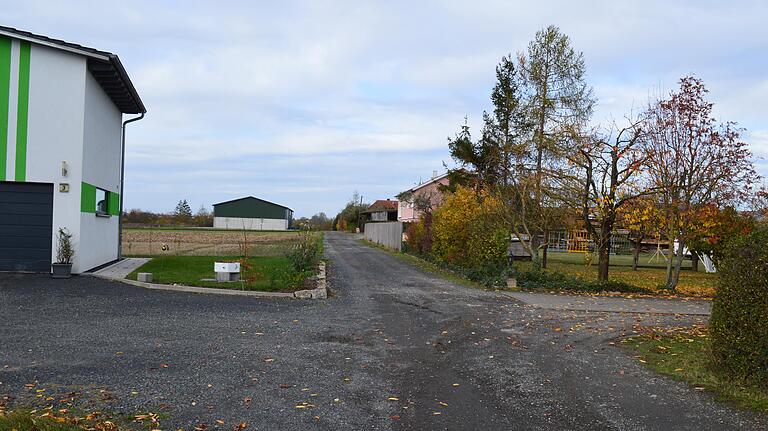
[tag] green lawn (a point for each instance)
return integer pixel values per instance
(271, 273)
(649, 275)
(685, 356)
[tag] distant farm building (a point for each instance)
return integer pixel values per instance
(251, 213)
(381, 210)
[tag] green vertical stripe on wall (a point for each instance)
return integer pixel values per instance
(87, 198)
(5, 83)
(21, 122)
(113, 203)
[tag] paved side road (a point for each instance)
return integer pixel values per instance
(395, 348)
(613, 304)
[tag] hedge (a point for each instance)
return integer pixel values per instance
(739, 323)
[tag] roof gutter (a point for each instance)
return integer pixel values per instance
(122, 189)
(115, 60)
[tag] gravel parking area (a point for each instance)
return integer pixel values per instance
(394, 348)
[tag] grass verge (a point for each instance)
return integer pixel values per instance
(50, 419)
(684, 356)
(272, 274)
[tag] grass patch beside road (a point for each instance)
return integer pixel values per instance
(649, 276)
(273, 273)
(684, 356)
(66, 419)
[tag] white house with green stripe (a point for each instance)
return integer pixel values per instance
(61, 150)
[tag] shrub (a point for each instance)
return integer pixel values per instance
(419, 235)
(305, 254)
(64, 249)
(739, 323)
(467, 230)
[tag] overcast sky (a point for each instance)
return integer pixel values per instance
(303, 103)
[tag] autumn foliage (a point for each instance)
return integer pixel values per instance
(467, 231)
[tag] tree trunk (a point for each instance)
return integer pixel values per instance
(670, 258)
(636, 252)
(544, 250)
(694, 262)
(677, 258)
(603, 260)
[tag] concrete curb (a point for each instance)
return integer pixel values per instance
(603, 308)
(320, 292)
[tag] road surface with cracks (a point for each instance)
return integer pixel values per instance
(394, 348)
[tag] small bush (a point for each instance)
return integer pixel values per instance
(419, 235)
(305, 254)
(739, 323)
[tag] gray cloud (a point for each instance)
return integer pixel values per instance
(305, 102)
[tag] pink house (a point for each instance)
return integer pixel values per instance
(406, 212)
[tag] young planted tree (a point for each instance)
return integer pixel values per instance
(559, 102)
(609, 164)
(693, 160)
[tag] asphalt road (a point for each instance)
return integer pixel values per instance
(394, 348)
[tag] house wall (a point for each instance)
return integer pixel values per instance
(55, 134)
(54, 106)
(407, 213)
(250, 223)
(379, 216)
(101, 168)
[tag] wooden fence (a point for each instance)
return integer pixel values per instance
(389, 234)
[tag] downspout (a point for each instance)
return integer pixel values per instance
(122, 189)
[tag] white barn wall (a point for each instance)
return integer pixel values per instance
(55, 132)
(250, 223)
(101, 156)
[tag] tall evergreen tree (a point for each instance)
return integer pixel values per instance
(559, 102)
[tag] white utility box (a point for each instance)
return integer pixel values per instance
(227, 271)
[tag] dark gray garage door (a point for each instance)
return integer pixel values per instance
(26, 225)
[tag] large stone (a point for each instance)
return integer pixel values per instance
(145, 277)
(303, 294)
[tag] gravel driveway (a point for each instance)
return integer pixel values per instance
(395, 348)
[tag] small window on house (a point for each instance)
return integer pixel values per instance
(102, 202)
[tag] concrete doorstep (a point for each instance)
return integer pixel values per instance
(319, 292)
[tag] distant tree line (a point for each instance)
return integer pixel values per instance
(319, 222)
(182, 215)
(350, 219)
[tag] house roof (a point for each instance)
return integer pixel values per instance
(383, 205)
(254, 198)
(104, 66)
(428, 182)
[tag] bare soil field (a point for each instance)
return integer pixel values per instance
(204, 242)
